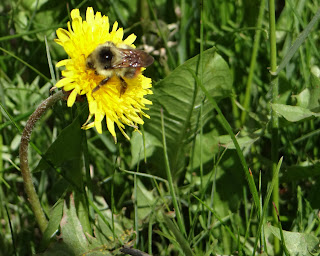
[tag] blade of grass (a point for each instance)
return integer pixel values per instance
(14, 246)
(180, 238)
(169, 177)
(228, 128)
(53, 76)
(203, 194)
(14, 120)
(111, 227)
(300, 39)
(218, 218)
(284, 247)
(89, 182)
(6, 38)
(265, 204)
(135, 204)
(274, 117)
(200, 72)
(144, 175)
(253, 61)
(242, 245)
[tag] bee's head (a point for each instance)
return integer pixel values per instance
(105, 56)
(102, 57)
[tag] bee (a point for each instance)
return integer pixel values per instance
(124, 62)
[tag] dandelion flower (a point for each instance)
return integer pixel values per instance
(108, 102)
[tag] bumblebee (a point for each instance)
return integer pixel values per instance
(124, 62)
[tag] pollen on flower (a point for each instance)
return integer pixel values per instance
(112, 95)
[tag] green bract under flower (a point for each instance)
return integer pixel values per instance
(108, 102)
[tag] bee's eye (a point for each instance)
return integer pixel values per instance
(106, 56)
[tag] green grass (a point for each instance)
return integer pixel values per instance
(228, 163)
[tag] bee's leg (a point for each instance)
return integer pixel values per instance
(103, 82)
(123, 87)
(131, 72)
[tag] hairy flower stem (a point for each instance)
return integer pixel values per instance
(24, 166)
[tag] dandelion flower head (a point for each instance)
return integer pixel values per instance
(81, 39)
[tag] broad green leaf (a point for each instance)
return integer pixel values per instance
(297, 243)
(205, 148)
(310, 97)
(73, 240)
(145, 200)
(54, 222)
(180, 98)
(71, 229)
(67, 147)
(300, 172)
(293, 113)
(139, 149)
(303, 98)
(244, 141)
(212, 143)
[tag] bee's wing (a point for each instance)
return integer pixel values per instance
(133, 58)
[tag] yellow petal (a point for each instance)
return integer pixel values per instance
(63, 35)
(90, 15)
(69, 87)
(77, 26)
(115, 26)
(146, 101)
(69, 27)
(72, 98)
(123, 133)
(119, 34)
(130, 39)
(98, 17)
(64, 81)
(136, 119)
(110, 125)
(105, 20)
(68, 73)
(58, 42)
(145, 115)
(89, 118)
(92, 106)
(62, 63)
(98, 126)
(88, 126)
(75, 13)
